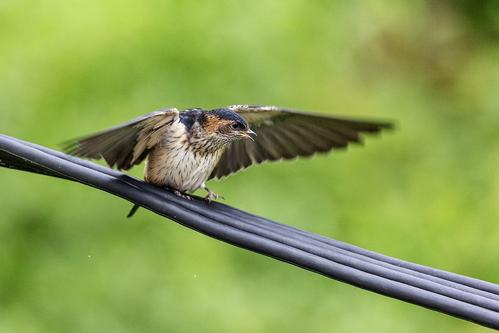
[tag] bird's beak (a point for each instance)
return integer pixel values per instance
(248, 134)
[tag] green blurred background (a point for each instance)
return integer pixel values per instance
(428, 192)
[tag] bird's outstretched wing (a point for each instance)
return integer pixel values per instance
(286, 134)
(125, 145)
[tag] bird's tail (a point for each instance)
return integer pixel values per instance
(133, 210)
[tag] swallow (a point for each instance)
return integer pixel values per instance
(183, 150)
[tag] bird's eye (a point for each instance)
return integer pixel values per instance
(238, 126)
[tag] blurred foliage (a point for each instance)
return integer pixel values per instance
(427, 192)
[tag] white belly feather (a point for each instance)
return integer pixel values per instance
(174, 164)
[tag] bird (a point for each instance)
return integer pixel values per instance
(185, 149)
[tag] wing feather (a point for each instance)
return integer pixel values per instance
(125, 145)
(287, 134)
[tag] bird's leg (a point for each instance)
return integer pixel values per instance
(211, 195)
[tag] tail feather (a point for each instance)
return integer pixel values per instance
(133, 210)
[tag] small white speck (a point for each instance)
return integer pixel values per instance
(89, 256)
(195, 276)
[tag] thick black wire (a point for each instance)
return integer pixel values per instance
(457, 295)
(447, 278)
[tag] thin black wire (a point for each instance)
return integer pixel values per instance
(457, 295)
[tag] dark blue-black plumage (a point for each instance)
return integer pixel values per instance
(190, 116)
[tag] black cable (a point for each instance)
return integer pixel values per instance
(457, 295)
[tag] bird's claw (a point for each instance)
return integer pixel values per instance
(182, 195)
(211, 196)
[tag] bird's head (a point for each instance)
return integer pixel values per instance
(225, 126)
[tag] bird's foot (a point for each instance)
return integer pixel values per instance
(211, 196)
(182, 195)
